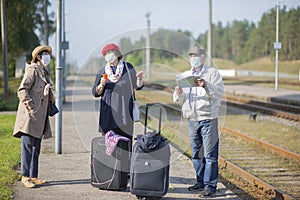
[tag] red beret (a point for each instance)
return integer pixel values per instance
(108, 47)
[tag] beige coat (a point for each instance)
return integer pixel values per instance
(32, 115)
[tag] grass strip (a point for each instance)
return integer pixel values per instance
(9, 154)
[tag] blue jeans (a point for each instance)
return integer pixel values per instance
(204, 140)
(30, 151)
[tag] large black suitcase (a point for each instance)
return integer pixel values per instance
(150, 161)
(109, 172)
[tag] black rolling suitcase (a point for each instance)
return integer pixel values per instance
(150, 161)
(109, 172)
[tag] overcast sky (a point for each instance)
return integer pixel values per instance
(89, 23)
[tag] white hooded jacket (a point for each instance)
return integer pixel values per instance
(200, 103)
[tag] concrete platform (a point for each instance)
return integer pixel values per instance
(68, 174)
(264, 93)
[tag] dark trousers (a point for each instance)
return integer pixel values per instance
(30, 152)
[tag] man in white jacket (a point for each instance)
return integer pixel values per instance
(200, 105)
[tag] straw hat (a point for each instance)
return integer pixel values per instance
(40, 49)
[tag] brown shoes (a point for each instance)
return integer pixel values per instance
(37, 181)
(27, 182)
(32, 182)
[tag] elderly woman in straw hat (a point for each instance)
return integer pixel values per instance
(32, 123)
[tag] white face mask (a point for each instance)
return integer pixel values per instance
(45, 60)
(110, 57)
(195, 62)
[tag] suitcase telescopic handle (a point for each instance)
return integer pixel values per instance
(148, 105)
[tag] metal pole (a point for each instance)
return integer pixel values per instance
(46, 22)
(46, 26)
(209, 33)
(4, 47)
(64, 55)
(276, 58)
(58, 78)
(148, 76)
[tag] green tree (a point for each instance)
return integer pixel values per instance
(40, 19)
(23, 19)
(21, 37)
(250, 51)
(170, 43)
(239, 33)
(290, 34)
(242, 41)
(239, 41)
(218, 32)
(126, 45)
(226, 43)
(202, 40)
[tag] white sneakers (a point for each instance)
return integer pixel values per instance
(27, 182)
(31, 182)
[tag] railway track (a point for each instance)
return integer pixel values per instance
(285, 111)
(267, 168)
(290, 112)
(272, 171)
(272, 105)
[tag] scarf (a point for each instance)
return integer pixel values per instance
(111, 141)
(44, 75)
(111, 76)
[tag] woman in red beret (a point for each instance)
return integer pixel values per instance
(116, 92)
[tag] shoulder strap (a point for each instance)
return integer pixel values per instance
(131, 86)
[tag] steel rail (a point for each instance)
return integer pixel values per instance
(268, 104)
(265, 110)
(269, 147)
(258, 183)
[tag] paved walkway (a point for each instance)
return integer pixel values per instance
(68, 174)
(265, 93)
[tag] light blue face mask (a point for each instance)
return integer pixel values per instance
(46, 59)
(110, 57)
(195, 62)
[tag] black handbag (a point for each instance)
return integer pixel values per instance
(52, 109)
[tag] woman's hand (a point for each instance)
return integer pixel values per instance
(140, 75)
(103, 81)
(100, 86)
